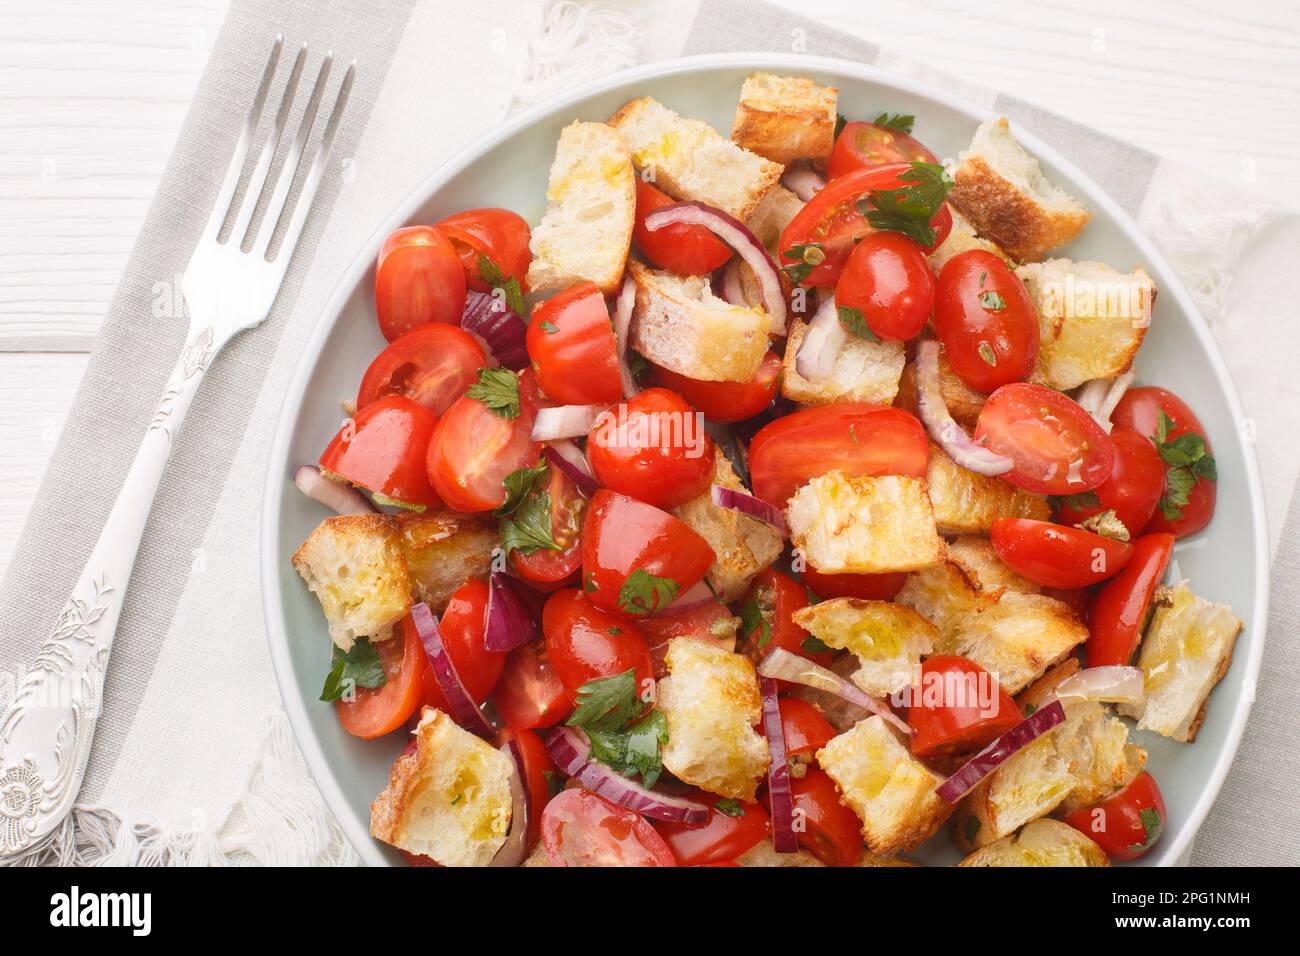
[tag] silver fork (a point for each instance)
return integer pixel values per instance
(46, 733)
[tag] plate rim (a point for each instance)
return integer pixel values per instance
(276, 483)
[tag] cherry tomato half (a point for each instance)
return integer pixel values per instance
(858, 439)
(418, 280)
(585, 643)
(1121, 606)
(805, 729)
(710, 622)
(375, 711)
(432, 365)
(952, 710)
(724, 837)
(499, 234)
(832, 832)
(546, 569)
(462, 628)
(637, 558)
(1136, 483)
(888, 279)
(572, 345)
(772, 599)
(1056, 556)
(382, 449)
(530, 693)
(1127, 823)
(727, 401)
(580, 828)
(866, 145)
(985, 320)
(868, 587)
(1057, 447)
(687, 250)
(652, 447)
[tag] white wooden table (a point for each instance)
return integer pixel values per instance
(93, 92)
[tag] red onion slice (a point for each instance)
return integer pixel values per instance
(571, 751)
(515, 850)
(565, 421)
(462, 705)
(737, 235)
(509, 620)
(568, 457)
(802, 180)
(1100, 396)
(501, 329)
(959, 446)
(786, 665)
(622, 330)
(996, 753)
(751, 507)
(733, 286)
(335, 495)
(697, 595)
(1111, 684)
(821, 343)
(778, 772)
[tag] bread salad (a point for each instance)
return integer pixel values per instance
(774, 500)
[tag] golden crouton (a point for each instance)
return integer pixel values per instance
(887, 639)
(968, 503)
(743, 545)
(354, 566)
(984, 569)
(964, 403)
(449, 799)
(961, 238)
(443, 550)
(711, 702)
(785, 118)
(1041, 843)
(864, 371)
(770, 217)
(864, 525)
(1187, 650)
(1091, 319)
(891, 792)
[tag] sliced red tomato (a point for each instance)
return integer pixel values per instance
(869, 587)
(1056, 556)
(824, 826)
(888, 279)
(572, 345)
(805, 729)
(462, 628)
(824, 232)
(1121, 606)
(375, 711)
(1135, 485)
(538, 770)
(710, 622)
(768, 609)
(727, 401)
(959, 708)
(652, 447)
(685, 250)
(1127, 823)
(1191, 480)
(473, 449)
(382, 449)
(418, 280)
(530, 692)
(986, 321)
(729, 832)
(432, 365)
(866, 146)
(637, 558)
(546, 569)
(499, 234)
(858, 439)
(585, 643)
(580, 828)
(1057, 447)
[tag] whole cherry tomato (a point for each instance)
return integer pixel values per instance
(419, 279)
(729, 832)
(985, 320)
(1136, 483)
(462, 627)
(888, 279)
(500, 235)
(1121, 605)
(959, 708)
(867, 145)
(1127, 823)
(432, 365)
(727, 401)
(1057, 556)
(382, 449)
(688, 250)
(572, 345)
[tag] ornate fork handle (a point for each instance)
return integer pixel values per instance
(46, 733)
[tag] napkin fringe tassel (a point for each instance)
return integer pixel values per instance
(576, 42)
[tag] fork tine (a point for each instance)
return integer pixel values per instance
(236, 167)
(289, 171)
(256, 182)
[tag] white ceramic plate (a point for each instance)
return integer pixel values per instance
(508, 167)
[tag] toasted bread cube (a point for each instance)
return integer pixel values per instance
(984, 569)
(1030, 784)
(449, 799)
(443, 550)
(354, 566)
(887, 639)
(1002, 191)
(763, 853)
(961, 238)
(968, 503)
(770, 217)
(679, 323)
(1091, 319)
(864, 525)
(711, 702)
(743, 545)
(591, 206)
(944, 595)
(890, 791)
(785, 118)
(1041, 843)
(689, 159)
(1187, 650)
(864, 371)
(964, 403)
